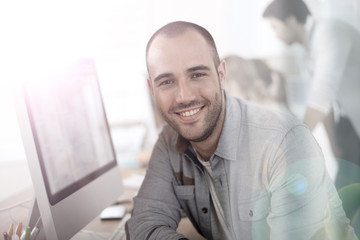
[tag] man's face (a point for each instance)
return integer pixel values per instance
(285, 31)
(186, 84)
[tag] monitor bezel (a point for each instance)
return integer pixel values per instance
(67, 217)
(68, 190)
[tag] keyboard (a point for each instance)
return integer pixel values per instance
(119, 232)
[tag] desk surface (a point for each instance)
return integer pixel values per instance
(21, 212)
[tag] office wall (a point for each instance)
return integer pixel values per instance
(114, 33)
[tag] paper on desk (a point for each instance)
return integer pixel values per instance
(134, 181)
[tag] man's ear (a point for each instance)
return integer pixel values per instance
(149, 82)
(291, 20)
(222, 73)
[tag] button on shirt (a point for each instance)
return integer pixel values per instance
(268, 171)
(219, 226)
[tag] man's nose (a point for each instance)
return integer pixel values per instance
(185, 92)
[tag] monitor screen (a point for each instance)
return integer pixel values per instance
(70, 130)
(69, 148)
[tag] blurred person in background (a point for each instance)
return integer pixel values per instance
(255, 81)
(333, 48)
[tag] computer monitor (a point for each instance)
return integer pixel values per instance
(69, 150)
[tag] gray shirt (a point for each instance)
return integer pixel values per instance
(268, 171)
(218, 227)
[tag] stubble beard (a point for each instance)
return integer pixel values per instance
(209, 123)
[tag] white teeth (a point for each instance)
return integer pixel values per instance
(190, 113)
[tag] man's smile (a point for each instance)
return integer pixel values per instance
(190, 114)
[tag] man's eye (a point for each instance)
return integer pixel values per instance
(197, 75)
(166, 82)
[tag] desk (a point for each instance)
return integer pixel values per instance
(21, 212)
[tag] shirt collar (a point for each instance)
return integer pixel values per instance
(228, 142)
(181, 144)
(310, 27)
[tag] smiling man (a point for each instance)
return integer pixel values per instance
(188, 90)
(236, 170)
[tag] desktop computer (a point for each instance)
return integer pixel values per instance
(69, 149)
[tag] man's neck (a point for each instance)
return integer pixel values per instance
(306, 32)
(207, 148)
(302, 36)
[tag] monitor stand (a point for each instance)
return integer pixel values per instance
(35, 221)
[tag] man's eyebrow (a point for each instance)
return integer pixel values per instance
(197, 68)
(163, 75)
(192, 69)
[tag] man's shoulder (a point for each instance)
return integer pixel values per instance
(260, 117)
(335, 27)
